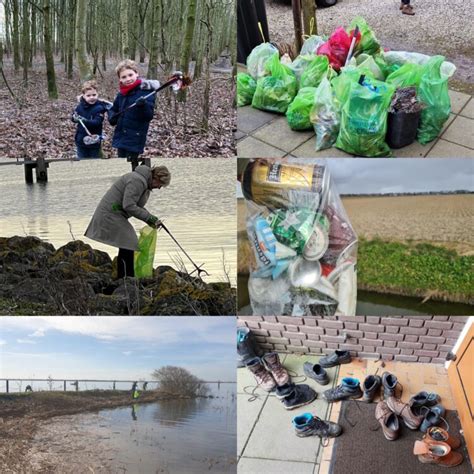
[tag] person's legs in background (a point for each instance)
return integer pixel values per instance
(406, 8)
(131, 156)
(125, 263)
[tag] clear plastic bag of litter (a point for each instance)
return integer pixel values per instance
(303, 247)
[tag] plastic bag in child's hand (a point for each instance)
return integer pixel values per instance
(150, 84)
(141, 102)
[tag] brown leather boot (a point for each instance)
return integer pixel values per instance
(272, 363)
(388, 420)
(402, 409)
(264, 379)
(407, 10)
(435, 433)
(437, 452)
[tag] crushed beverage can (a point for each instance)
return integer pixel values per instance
(318, 242)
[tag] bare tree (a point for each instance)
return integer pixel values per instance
(179, 381)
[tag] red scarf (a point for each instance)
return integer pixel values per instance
(124, 90)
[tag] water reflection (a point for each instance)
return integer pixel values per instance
(173, 412)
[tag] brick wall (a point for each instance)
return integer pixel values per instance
(403, 338)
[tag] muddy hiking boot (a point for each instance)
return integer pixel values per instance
(336, 358)
(316, 372)
(349, 388)
(388, 420)
(389, 383)
(411, 420)
(371, 387)
(264, 379)
(435, 433)
(247, 346)
(433, 417)
(272, 363)
(424, 399)
(310, 425)
(437, 452)
(294, 396)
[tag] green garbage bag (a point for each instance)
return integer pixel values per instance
(300, 64)
(368, 43)
(366, 64)
(433, 92)
(143, 259)
(386, 68)
(276, 91)
(325, 116)
(315, 71)
(258, 57)
(364, 118)
(311, 44)
(298, 111)
(246, 86)
(406, 76)
(341, 84)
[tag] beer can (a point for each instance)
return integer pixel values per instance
(277, 185)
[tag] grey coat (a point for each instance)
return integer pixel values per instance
(126, 198)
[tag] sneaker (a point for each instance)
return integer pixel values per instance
(349, 388)
(389, 382)
(316, 372)
(264, 379)
(336, 358)
(294, 396)
(310, 425)
(433, 417)
(371, 388)
(247, 346)
(272, 363)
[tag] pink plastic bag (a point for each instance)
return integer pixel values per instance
(336, 48)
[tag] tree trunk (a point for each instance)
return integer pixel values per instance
(70, 38)
(124, 20)
(188, 44)
(26, 41)
(48, 51)
(16, 36)
(309, 17)
(153, 61)
(296, 6)
(33, 35)
(80, 40)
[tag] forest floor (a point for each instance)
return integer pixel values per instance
(24, 413)
(32, 125)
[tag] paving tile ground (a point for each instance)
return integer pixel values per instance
(266, 439)
(267, 135)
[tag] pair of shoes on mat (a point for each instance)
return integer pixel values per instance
(438, 447)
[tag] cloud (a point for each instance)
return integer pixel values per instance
(3, 343)
(25, 341)
(127, 353)
(37, 333)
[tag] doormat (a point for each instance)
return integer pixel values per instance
(360, 449)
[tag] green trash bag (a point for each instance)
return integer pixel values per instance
(143, 259)
(366, 64)
(298, 111)
(300, 64)
(275, 92)
(433, 92)
(246, 86)
(364, 118)
(325, 116)
(258, 57)
(315, 71)
(386, 68)
(406, 76)
(368, 43)
(311, 44)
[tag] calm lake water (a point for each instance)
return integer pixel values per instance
(172, 436)
(198, 207)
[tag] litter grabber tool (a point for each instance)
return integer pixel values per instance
(197, 268)
(355, 35)
(89, 139)
(178, 81)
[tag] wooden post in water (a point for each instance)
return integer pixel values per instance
(7, 385)
(41, 170)
(64, 385)
(113, 386)
(29, 165)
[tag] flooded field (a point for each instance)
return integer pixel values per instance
(200, 214)
(169, 436)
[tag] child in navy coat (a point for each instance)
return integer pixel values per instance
(90, 112)
(131, 127)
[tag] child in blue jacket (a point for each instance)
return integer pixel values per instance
(90, 112)
(131, 127)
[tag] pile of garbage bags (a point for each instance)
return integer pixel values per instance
(342, 87)
(304, 247)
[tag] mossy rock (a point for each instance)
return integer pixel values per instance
(84, 255)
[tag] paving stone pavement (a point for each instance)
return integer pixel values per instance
(265, 135)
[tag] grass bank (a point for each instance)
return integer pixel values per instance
(411, 269)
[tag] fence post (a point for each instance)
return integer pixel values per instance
(7, 386)
(41, 170)
(28, 171)
(64, 385)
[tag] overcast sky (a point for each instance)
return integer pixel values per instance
(399, 175)
(116, 347)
